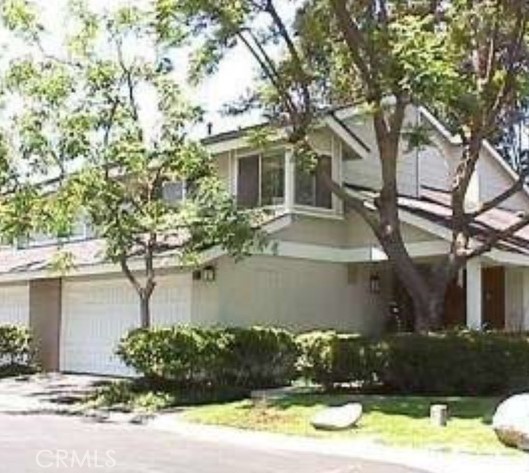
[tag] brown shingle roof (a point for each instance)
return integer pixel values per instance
(434, 205)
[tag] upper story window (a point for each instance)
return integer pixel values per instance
(173, 192)
(310, 186)
(261, 180)
(81, 230)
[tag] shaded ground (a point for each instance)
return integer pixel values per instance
(36, 443)
(47, 392)
(395, 420)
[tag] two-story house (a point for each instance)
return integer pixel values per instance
(326, 269)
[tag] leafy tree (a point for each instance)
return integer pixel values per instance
(105, 111)
(465, 60)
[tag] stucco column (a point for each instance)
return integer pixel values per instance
(290, 170)
(525, 298)
(474, 294)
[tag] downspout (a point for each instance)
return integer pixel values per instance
(417, 156)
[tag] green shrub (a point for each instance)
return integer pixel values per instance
(251, 358)
(178, 355)
(260, 357)
(455, 363)
(330, 358)
(16, 355)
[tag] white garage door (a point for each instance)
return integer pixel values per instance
(14, 304)
(96, 313)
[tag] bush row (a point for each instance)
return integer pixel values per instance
(250, 358)
(455, 363)
(16, 355)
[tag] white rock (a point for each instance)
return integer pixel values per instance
(511, 421)
(338, 418)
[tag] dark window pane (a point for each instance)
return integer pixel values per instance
(323, 193)
(272, 179)
(304, 186)
(248, 182)
(173, 192)
(310, 187)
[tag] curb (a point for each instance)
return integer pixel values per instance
(430, 461)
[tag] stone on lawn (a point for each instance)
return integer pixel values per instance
(338, 418)
(439, 415)
(511, 421)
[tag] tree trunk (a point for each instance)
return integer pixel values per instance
(429, 314)
(427, 291)
(145, 310)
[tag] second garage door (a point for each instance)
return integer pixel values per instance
(14, 304)
(96, 313)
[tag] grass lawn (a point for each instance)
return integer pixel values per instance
(394, 420)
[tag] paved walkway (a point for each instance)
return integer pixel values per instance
(48, 392)
(435, 462)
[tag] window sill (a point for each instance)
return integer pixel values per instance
(319, 212)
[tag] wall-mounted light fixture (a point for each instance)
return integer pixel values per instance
(209, 274)
(374, 283)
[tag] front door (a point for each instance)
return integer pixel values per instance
(455, 305)
(494, 297)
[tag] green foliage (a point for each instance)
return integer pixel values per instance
(455, 363)
(260, 357)
(138, 395)
(211, 358)
(16, 355)
(330, 358)
(103, 114)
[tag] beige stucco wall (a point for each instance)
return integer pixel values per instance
(350, 232)
(45, 321)
(293, 293)
(316, 231)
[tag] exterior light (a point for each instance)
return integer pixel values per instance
(374, 283)
(209, 274)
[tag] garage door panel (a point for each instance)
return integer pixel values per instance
(96, 314)
(14, 305)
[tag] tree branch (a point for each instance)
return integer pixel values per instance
(355, 43)
(353, 202)
(123, 262)
(303, 76)
(496, 236)
(500, 198)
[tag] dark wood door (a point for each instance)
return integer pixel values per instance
(455, 314)
(494, 297)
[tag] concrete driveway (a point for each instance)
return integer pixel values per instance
(47, 392)
(39, 443)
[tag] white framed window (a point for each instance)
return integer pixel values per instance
(261, 179)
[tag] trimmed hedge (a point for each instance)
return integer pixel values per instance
(16, 355)
(329, 358)
(455, 363)
(251, 358)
